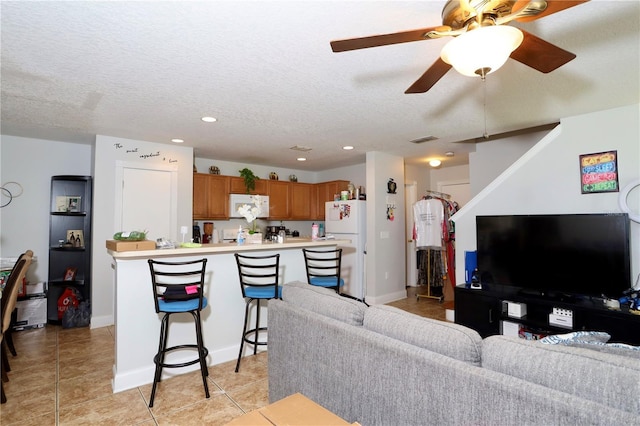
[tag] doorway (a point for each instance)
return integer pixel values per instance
(146, 199)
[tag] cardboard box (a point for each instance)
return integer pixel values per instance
(119, 245)
(31, 313)
(513, 309)
(510, 328)
(292, 410)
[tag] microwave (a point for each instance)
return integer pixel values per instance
(237, 200)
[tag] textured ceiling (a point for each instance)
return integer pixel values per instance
(150, 70)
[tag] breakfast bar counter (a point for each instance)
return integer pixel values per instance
(137, 326)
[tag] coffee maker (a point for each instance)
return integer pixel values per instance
(272, 232)
(196, 233)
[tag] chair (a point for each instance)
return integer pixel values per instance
(323, 268)
(8, 335)
(9, 300)
(178, 287)
(258, 281)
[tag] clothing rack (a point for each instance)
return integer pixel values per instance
(429, 295)
(437, 194)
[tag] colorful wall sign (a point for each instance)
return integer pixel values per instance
(599, 172)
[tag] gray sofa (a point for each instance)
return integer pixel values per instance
(382, 366)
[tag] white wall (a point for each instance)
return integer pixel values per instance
(230, 168)
(547, 179)
(356, 174)
(420, 175)
(108, 152)
(492, 158)
(385, 271)
(24, 223)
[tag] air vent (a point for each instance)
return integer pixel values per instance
(423, 140)
(301, 148)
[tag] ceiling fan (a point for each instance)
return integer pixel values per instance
(483, 40)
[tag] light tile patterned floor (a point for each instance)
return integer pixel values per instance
(63, 377)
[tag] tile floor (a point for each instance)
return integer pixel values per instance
(63, 377)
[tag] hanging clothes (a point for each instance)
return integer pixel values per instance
(431, 268)
(428, 217)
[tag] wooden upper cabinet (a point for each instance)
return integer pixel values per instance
(287, 200)
(210, 196)
(238, 187)
(279, 199)
(326, 192)
(303, 201)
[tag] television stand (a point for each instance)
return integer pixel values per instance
(548, 295)
(482, 310)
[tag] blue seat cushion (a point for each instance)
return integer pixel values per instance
(261, 292)
(325, 281)
(181, 305)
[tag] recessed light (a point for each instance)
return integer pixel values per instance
(347, 148)
(177, 140)
(449, 154)
(301, 159)
(435, 163)
(209, 119)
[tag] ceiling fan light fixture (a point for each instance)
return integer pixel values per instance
(483, 50)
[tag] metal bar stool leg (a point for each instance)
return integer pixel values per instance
(204, 370)
(159, 357)
(244, 332)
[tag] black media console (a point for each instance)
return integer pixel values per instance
(486, 311)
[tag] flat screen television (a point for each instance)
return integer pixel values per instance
(556, 255)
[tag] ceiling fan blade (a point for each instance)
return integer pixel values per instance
(384, 39)
(553, 6)
(540, 55)
(430, 77)
(511, 133)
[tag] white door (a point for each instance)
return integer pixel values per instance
(460, 191)
(147, 201)
(410, 197)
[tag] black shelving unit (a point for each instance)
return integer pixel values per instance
(69, 241)
(483, 310)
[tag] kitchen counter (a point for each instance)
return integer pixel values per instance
(291, 242)
(137, 326)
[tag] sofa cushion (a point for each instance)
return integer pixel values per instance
(324, 301)
(453, 340)
(597, 376)
(594, 340)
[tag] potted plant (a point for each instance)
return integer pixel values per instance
(249, 179)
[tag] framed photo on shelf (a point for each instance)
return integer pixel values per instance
(75, 237)
(70, 274)
(73, 202)
(62, 203)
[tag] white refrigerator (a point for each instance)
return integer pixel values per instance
(347, 220)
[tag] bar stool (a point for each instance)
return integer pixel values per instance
(178, 287)
(258, 281)
(323, 268)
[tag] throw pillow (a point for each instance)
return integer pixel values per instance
(580, 337)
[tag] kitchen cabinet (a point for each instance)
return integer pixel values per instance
(326, 192)
(287, 200)
(279, 200)
(303, 201)
(210, 196)
(70, 247)
(237, 186)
